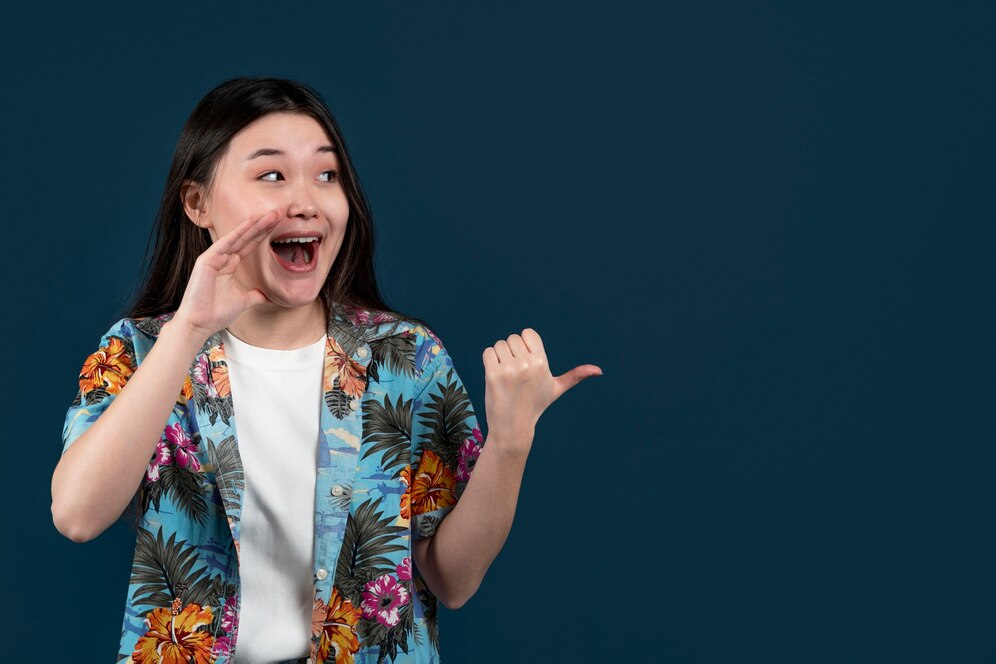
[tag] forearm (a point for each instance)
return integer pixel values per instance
(98, 475)
(467, 541)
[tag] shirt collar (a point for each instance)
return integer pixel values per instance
(351, 327)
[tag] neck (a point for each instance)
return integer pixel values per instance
(280, 328)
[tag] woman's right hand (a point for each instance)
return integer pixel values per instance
(213, 297)
(99, 473)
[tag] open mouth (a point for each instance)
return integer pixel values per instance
(296, 253)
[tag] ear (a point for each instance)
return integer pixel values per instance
(194, 200)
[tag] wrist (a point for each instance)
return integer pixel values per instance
(182, 333)
(514, 443)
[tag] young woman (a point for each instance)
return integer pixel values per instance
(315, 530)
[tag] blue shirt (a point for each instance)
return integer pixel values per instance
(399, 441)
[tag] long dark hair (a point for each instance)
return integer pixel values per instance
(177, 241)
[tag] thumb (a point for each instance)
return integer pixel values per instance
(568, 380)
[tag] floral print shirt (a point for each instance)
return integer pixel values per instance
(399, 442)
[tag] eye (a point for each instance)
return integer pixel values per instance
(329, 176)
(276, 176)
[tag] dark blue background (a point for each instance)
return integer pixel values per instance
(770, 225)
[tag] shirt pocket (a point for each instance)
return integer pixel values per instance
(377, 539)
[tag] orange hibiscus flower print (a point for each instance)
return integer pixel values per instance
(107, 368)
(186, 392)
(219, 376)
(173, 636)
(351, 374)
(335, 627)
(219, 372)
(433, 485)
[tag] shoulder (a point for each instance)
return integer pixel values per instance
(145, 326)
(389, 332)
(151, 326)
(130, 338)
(375, 325)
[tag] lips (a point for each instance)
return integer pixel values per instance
(296, 252)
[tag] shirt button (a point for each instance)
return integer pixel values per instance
(337, 490)
(361, 351)
(322, 574)
(354, 404)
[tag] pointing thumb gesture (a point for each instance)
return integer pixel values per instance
(566, 381)
(519, 387)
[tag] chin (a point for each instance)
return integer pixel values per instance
(294, 300)
(293, 293)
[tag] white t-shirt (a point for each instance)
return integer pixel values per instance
(277, 399)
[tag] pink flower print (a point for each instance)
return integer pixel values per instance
(229, 624)
(163, 457)
(202, 375)
(222, 646)
(405, 569)
(469, 452)
(201, 370)
(184, 449)
(229, 618)
(381, 599)
(358, 317)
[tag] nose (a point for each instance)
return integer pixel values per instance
(301, 204)
(305, 210)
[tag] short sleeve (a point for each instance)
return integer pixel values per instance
(103, 374)
(446, 441)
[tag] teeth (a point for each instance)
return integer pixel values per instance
(295, 239)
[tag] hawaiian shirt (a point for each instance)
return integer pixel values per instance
(399, 441)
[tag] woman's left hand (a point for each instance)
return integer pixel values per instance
(519, 387)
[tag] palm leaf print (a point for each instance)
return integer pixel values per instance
(388, 427)
(152, 325)
(338, 401)
(217, 407)
(200, 393)
(369, 537)
(129, 345)
(94, 396)
(164, 570)
(345, 497)
(389, 638)
(430, 610)
(228, 472)
(445, 418)
(397, 353)
(152, 493)
(185, 488)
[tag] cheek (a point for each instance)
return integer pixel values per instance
(337, 212)
(237, 204)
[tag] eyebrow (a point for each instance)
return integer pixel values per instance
(267, 152)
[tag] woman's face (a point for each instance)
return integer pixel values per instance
(283, 162)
